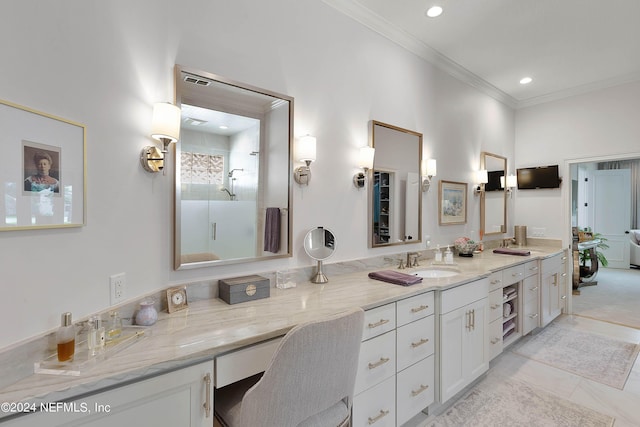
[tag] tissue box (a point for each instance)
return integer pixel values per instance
(243, 289)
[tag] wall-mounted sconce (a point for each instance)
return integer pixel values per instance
(482, 177)
(512, 182)
(365, 161)
(305, 151)
(429, 170)
(165, 127)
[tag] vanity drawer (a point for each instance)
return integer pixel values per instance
(243, 363)
(495, 280)
(531, 268)
(414, 308)
(376, 406)
(379, 320)
(377, 361)
(496, 300)
(462, 295)
(495, 338)
(415, 389)
(553, 263)
(531, 290)
(415, 341)
(513, 274)
(530, 318)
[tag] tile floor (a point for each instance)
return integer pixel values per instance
(623, 405)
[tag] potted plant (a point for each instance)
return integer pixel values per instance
(588, 266)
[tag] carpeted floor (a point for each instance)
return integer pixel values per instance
(587, 354)
(615, 299)
(505, 402)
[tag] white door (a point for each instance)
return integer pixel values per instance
(612, 213)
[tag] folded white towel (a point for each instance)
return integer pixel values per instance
(506, 309)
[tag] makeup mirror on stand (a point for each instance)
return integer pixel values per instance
(319, 244)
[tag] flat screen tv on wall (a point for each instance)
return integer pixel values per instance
(538, 177)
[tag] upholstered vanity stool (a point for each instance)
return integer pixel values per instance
(309, 382)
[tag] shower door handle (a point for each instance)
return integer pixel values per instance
(214, 232)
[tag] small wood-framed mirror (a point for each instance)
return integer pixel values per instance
(395, 191)
(493, 200)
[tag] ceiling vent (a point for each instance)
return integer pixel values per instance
(196, 81)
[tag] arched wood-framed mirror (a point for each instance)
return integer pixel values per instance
(395, 194)
(233, 172)
(493, 200)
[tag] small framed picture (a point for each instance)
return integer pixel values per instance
(42, 169)
(452, 202)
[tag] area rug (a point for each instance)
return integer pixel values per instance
(505, 402)
(589, 355)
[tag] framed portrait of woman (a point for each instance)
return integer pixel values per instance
(43, 169)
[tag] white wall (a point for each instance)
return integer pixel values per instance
(600, 124)
(104, 64)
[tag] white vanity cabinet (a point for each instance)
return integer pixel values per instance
(395, 379)
(415, 384)
(554, 287)
(530, 291)
(374, 400)
(179, 398)
(463, 344)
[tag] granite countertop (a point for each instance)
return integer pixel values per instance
(211, 327)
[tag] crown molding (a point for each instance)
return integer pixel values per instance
(579, 90)
(364, 16)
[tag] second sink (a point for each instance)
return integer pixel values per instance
(436, 273)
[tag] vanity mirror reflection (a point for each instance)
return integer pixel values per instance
(232, 172)
(493, 200)
(395, 196)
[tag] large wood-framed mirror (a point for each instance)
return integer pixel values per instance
(395, 196)
(232, 172)
(493, 200)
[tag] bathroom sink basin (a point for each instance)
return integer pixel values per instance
(436, 273)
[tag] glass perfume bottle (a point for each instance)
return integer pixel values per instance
(115, 326)
(96, 337)
(66, 338)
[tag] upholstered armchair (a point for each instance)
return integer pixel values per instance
(634, 236)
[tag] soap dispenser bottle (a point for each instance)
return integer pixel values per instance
(438, 256)
(448, 256)
(66, 338)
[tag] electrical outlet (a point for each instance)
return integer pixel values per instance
(117, 287)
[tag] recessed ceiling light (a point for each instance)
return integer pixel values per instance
(434, 11)
(525, 80)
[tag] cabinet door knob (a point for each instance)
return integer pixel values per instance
(535, 288)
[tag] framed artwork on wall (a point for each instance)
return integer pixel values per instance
(452, 202)
(42, 170)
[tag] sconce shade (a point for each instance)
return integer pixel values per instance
(365, 159)
(483, 176)
(306, 149)
(512, 181)
(429, 167)
(165, 124)
(165, 127)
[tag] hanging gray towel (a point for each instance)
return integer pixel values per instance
(272, 230)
